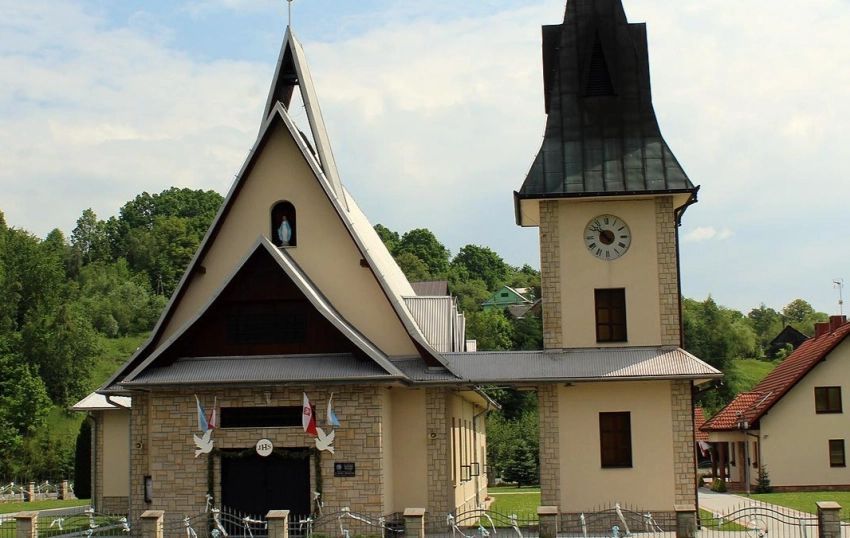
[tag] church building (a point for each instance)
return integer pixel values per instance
(296, 363)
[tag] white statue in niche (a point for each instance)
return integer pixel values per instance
(284, 232)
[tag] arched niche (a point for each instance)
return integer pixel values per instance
(284, 225)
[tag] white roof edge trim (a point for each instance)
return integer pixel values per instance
(314, 296)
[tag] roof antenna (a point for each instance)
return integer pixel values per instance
(839, 283)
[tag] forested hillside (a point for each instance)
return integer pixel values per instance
(72, 308)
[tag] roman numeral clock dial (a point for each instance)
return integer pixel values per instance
(607, 237)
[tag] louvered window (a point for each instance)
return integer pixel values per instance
(598, 77)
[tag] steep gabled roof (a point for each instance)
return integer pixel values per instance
(754, 404)
(431, 288)
(699, 420)
(291, 270)
(378, 259)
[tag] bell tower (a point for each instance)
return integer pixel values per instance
(605, 189)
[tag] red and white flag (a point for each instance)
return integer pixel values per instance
(213, 415)
(308, 418)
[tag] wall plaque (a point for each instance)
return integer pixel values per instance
(344, 469)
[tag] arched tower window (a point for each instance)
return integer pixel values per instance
(284, 225)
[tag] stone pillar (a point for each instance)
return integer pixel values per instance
(30, 492)
(548, 516)
(684, 456)
(686, 521)
(550, 274)
(64, 490)
(278, 523)
(829, 520)
(668, 271)
(26, 522)
(414, 523)
(151, 523)
(440, 487)
(550, 445)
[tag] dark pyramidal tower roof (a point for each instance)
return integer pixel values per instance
(602, 137)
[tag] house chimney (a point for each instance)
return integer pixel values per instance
(821, 329)
(836, 322)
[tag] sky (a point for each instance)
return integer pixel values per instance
(435, 113)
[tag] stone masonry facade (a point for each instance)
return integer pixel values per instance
(684, 456)
(550, 274)
(163, 423)
(668, 272)
(550, 457)
(439, 494)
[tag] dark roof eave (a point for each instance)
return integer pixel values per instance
(133, 385)
(550, 380)
(554, 195)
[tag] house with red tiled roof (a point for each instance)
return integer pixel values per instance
(793, 422)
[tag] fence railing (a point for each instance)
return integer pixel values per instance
(33, 491)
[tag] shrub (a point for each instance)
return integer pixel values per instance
(763, 485)
(719, 485)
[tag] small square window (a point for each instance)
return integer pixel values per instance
(615, 439)
(828, 400)
(836, 453)
(610, 315)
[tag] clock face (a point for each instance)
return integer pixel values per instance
(607, 237)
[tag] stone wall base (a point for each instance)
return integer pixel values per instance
(115, 506)
(601, 522)
(791, 489)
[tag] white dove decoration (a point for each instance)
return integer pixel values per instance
(204, 444)
(324, 441)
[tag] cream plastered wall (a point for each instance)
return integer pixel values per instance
(466, 448)
(116, 453)
(649, 483)
(326, 252)
(795, 439)
(409, 450)
(387, 446)
(636, 271)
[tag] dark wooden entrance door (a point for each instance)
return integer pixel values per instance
(255, 484)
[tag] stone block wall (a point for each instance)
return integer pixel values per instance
(439, 453)
(668, 272)
(163, 424)
(684, 464)
(550, 456)
(550, 274)
(97, 461)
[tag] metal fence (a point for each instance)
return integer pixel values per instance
(82, 523)
(344, 523)
(617, 520)
(8, 526)
(758, 521)
(14, 492)
(483, 524)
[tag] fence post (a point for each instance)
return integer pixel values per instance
(278, 523)
(63, 490)
(829, 519)
(414, 522)
(151, 523)
(686, 521)
(548, 517)
(27, 524)
(30, 492)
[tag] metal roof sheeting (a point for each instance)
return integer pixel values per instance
(98, 402)
(268, 369)
(439, 321)
(580, 364)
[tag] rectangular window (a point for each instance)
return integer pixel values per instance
(827, 399)
(836, 453)
(260, 417)
(615, 439)
(610, 315)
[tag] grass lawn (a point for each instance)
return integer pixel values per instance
(804, 501)
(708, 521)
(749, 372)
(512, 500)
(8, 508)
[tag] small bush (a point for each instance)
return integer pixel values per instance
(718, 485)
(763, 485)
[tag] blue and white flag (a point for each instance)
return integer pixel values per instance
(203, 425)
(332, 420)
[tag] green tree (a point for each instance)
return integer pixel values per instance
(82, 462)
(766, 323)
(483, 264)
(413, 268)
(802, 316)
(422, 243)
(513, 447)
(89, 239)
(528, 333)
(24, 406)
(492, 329)
(389, 237)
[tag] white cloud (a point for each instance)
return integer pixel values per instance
(434, 121)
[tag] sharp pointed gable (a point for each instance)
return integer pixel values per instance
(292, 72)
(289, 269)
